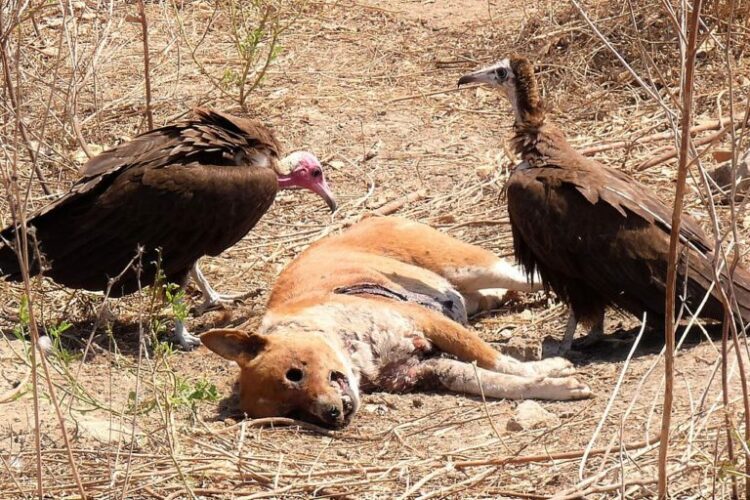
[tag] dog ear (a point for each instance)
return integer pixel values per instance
(233, 344)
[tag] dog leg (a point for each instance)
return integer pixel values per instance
(494, 274)
(468, 267)
(452, 338)
(464, 378)
(487, 300)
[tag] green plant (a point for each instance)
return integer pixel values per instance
(175, 297)
(55, 334)
(139, 406)
(254, 28)
(189, 395)
(21, 330)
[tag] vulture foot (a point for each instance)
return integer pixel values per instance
(590, 340)
(553, 347)
(565, 346)
(187, 340)
(213, 299)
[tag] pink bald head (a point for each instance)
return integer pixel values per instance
(305, 172)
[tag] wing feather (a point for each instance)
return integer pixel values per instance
(191, 189)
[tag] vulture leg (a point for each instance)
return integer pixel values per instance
(570, 332)
(187, 340)
(211, 298)
(594, 335)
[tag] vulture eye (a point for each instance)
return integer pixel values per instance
(294, 375)
(316, 173)
(501, 73)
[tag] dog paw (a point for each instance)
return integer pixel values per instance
(554, 367)
(576, 389)
(566, 388)
(421, 344)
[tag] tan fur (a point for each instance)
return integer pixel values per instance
(380, 342)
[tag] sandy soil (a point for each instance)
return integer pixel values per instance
(370, 87)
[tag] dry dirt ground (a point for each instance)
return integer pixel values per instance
(370, 87)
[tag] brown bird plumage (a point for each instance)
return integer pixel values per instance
(189, 189)
(596, 236)
(177, 193)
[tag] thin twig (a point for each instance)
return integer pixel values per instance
(146, 62)
(669, 312)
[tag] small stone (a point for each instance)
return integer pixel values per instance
(276, 94)
(417, 403)
(526, 315)
(376, 409)
(531, 415)
(104, 430)
(45, 344)
(522, 348)
(49, 51)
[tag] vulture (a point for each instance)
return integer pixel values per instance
(160, 202)
(596, 236)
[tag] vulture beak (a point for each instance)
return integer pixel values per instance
(484, 75)
(321, 189)
(499, 74)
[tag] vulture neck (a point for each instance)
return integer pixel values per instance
(288, 182)
(528, 109)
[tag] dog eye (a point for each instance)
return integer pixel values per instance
(501, 73)
(294, 375)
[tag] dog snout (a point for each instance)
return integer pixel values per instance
(331, 414)
(336, 377)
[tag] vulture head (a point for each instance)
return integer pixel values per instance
(305, 172)
(514, 76)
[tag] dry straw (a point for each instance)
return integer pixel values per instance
(371, 90)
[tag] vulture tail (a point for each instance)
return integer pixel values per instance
(701, 272)
(9, 266)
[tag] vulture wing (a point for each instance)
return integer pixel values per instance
(605, 238)
(179, 192)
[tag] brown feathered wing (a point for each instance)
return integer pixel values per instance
(598, 238)
(179, 192)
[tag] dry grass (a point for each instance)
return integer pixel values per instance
(370, 88)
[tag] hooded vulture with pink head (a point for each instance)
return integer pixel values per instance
(161, 202)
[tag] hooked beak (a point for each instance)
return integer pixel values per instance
(484, 75)
(322, 190)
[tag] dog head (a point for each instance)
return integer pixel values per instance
(289, 375)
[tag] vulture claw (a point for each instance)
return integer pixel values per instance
(213, 299)
(216, 301)
(187, 340)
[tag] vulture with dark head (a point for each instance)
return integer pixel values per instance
(162, 201)
(596, 236)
